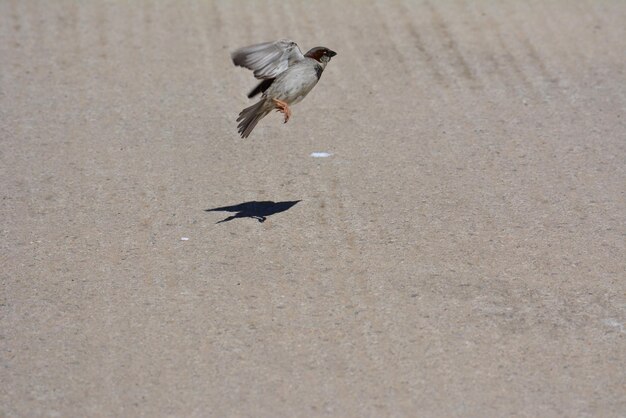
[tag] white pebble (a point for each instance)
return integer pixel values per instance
(320, 154)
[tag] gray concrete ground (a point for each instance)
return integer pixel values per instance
(460, 253)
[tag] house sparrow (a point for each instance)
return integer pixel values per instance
(287, 77)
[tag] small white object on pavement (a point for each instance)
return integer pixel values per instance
(320, 154)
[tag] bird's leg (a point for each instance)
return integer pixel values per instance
(282, 107)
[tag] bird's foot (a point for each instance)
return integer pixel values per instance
(282, 107)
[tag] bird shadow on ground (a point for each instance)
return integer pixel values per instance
(256, 210)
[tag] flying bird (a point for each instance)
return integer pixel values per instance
(287, 77)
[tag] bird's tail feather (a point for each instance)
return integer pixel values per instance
(250, 116)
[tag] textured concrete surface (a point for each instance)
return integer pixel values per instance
(460, 253)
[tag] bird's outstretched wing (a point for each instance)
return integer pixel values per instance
(268, 59)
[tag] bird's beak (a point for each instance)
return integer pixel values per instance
(331, 53)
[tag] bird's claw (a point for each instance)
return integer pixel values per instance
(283, 108)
